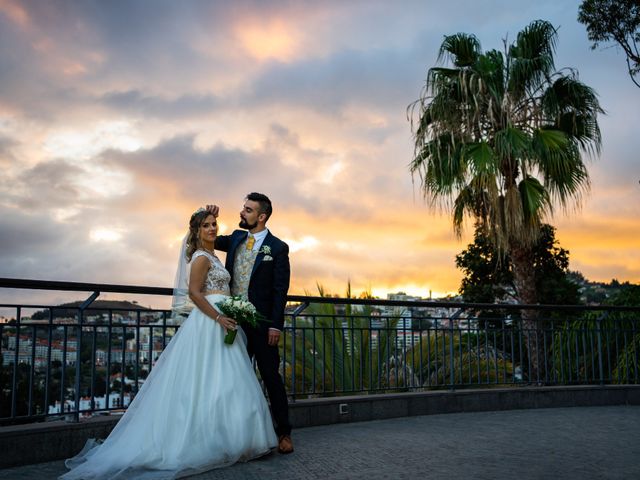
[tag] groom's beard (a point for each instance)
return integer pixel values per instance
(243, 224)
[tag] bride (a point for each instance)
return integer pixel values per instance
(201, 406)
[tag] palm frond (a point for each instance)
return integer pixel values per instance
(511, 142)
(535, 199)
(481, 159)
(462, 49)
(531, 56)
(465, 203)
(565, 175)
(573, 107)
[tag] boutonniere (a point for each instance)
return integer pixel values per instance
(265, 250)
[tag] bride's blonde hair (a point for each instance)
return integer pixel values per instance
(195, 222)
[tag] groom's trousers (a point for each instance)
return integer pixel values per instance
(268, 360)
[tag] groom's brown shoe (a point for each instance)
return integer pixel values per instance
(285, 445)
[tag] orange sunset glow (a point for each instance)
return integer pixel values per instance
(119, 120)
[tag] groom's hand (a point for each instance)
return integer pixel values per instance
(274, 336)
(213, 210)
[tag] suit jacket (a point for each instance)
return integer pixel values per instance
(270, 276)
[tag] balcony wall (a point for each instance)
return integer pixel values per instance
(41, 442)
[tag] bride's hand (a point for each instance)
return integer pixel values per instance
(227, 323)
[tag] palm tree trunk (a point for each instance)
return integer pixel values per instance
(525, 283)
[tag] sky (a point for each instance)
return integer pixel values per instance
(118, 119)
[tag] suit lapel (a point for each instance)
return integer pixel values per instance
(265, 243)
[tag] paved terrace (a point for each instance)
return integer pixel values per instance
(559, 443)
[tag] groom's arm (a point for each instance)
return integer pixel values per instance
(281, 278)
(222, 243)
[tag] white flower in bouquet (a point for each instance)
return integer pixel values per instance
(242, 311)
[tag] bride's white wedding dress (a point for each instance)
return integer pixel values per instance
(200, 408)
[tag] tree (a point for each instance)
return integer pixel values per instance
(488, 277)
(500, 138)
(615, 21)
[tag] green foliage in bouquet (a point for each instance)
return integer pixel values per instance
(242, 311)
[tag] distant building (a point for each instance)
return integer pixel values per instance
(115, 400)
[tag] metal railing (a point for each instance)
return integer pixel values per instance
(60, 361)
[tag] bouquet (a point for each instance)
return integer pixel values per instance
(242, 311)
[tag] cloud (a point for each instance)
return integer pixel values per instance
(24, 236)
(50, 183)
(384, 78)
(118, 119)
(7, 156)
(136, 102)
(176, 167)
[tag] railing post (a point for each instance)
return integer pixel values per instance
(16, 359)
(76, 415)
(451, 355)
(294, 316)
(599, 336)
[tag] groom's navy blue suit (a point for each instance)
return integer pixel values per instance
(268, 289)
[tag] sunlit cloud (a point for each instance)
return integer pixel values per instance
(74, 68)
(105, 182)
(82, 144)
(15, 12)
(345, 246)
(331, 172)
(64, 214)
(223, 228)
(305, 243)
(268, 38)
(105, 234)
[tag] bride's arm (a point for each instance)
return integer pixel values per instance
(197, 279)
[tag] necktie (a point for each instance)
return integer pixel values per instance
(250, 241)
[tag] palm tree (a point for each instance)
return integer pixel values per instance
(500, 138)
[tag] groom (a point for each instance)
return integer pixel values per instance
(259, 266)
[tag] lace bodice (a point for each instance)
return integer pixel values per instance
(217, 277)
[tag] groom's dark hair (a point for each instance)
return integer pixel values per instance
(263, 200)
